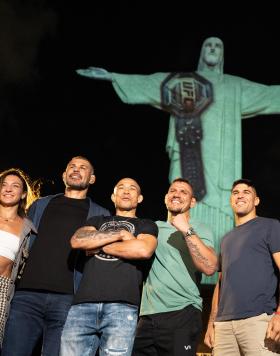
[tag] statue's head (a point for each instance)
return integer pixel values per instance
(212, 55)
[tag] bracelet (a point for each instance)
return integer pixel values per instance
(276, 312)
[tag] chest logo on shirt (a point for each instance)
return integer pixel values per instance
(114, 226)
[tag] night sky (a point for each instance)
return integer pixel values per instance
(48, 113)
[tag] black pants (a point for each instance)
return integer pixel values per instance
(168, 334)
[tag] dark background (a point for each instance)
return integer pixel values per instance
(48, 113)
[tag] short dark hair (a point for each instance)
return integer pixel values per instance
(244, 181)
(183, 180)
(83, 158)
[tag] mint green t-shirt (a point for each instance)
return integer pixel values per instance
(171, 283)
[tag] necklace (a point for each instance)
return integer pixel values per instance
(8, 219)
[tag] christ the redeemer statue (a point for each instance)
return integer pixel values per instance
(204, 138)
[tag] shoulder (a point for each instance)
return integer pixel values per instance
(97, 220)
(40, 204)
(268, 221)
(161, 223)
(147, 226)
(28, 226)
(261, 220)
(236, 79)
(44, 200)
(146, 221)
(204, 231)
(200, 226)
(165, 226)
(96, 209)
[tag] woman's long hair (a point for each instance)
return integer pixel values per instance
(32, 189)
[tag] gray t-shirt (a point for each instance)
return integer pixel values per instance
(249, 273)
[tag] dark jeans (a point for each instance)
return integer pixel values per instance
(35, 314)
(173, 333)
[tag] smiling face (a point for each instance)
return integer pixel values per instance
(78, 174)
(127, 195)
(244, 200)
(11, 191)
(179, 198)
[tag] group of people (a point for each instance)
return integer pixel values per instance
(45, 290)
(88, 281)
(86, 272)
(206, 108)
(76, 280)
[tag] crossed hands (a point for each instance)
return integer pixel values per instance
(124, 235)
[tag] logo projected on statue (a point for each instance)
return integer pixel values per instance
(186, 96)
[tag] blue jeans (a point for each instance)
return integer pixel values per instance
(109, 326)
(35, 314)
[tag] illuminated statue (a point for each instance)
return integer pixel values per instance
(204, 138)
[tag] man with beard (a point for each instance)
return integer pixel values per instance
(170, 314)
(45, 291)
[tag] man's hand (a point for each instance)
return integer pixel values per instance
(95, 73)
(209, 337)
(273, 329)
(181, 223)
(126, 235)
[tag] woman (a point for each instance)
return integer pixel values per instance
(16, 195)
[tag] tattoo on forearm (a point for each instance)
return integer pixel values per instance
(85, 234)
(197, 255)
(213, 314)
(94, 234)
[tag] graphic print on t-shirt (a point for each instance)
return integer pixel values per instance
(114, 226)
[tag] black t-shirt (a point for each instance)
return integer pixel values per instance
(51, 262)
(110, 279)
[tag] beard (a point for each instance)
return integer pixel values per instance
(77, 186)
(212, 60)
(177, 209)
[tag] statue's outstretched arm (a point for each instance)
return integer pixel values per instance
(95, 73)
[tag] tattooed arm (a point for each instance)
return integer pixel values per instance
(204, 257)
(88, 238)
(141, 247)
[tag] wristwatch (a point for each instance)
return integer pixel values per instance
(189, 232)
